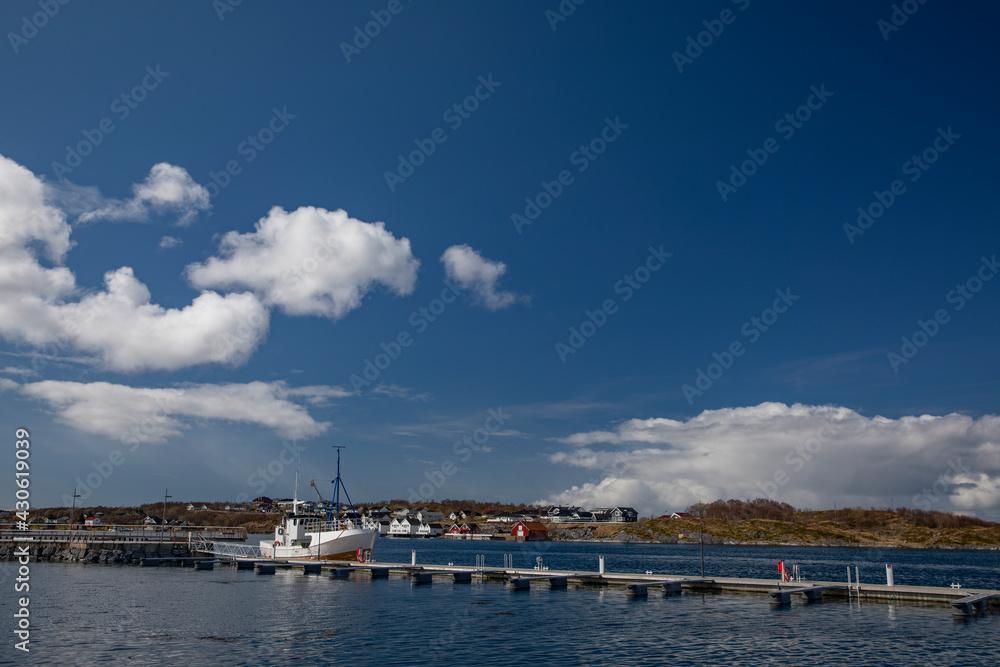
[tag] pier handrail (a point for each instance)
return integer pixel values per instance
(116, 533)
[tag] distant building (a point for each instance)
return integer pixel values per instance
(529, 531)
(429, 530)
(568, 515)
(464, 529)
(403, 527)
(425, 515)
(92, 521)
(615, 514)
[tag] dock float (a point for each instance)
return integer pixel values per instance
(965, 602)
(976, 602)
(783, 596)
(427, 576)
(524, 583)
(669, 587)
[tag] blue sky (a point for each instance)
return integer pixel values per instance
(620, 253)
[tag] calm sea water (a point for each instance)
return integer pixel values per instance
(100, 614)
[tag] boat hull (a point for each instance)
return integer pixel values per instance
(327, 545)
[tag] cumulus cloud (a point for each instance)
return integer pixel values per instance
(169, 242)
(310, 262)
(809, 456)
(167, 189)
(471, 271)
(156, 414)
(6, 385)
(44, 307)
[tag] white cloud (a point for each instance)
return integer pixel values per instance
(169, 242)
(809, 456)
(14, 370)
(167, 188)
(156, 414)
(45, 308)
(471, 271)
(315, 394)
(132, 334)
(399, 391)
(310, 262)
(6, 385)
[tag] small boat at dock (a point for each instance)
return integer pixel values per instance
(318, 537)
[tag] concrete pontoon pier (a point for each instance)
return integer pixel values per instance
(779, 593)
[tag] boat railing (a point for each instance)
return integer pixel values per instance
(323, 526)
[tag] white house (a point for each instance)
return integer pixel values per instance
(430, 530)
(381, 524)
(92, 521)
(403, 527)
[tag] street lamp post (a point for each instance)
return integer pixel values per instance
(702, 531)
(163, 524)
(72, 512)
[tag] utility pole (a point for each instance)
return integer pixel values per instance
(163, 525)
(703, 547)
(72, 512)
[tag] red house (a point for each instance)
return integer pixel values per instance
(529, 531)
(464, 529)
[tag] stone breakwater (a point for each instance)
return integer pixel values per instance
(132, 552)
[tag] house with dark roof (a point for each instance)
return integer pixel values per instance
(615, 514)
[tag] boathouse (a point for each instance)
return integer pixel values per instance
(529, 531)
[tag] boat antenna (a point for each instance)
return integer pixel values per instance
(338, 484)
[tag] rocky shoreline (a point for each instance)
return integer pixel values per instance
(135, 552)
(586, 534)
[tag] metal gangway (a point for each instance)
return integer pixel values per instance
(226, 549)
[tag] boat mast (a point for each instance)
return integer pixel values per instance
(338, 484)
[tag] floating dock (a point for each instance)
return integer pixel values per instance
(964, 602)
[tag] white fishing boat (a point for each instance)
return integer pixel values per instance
(319, 537)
